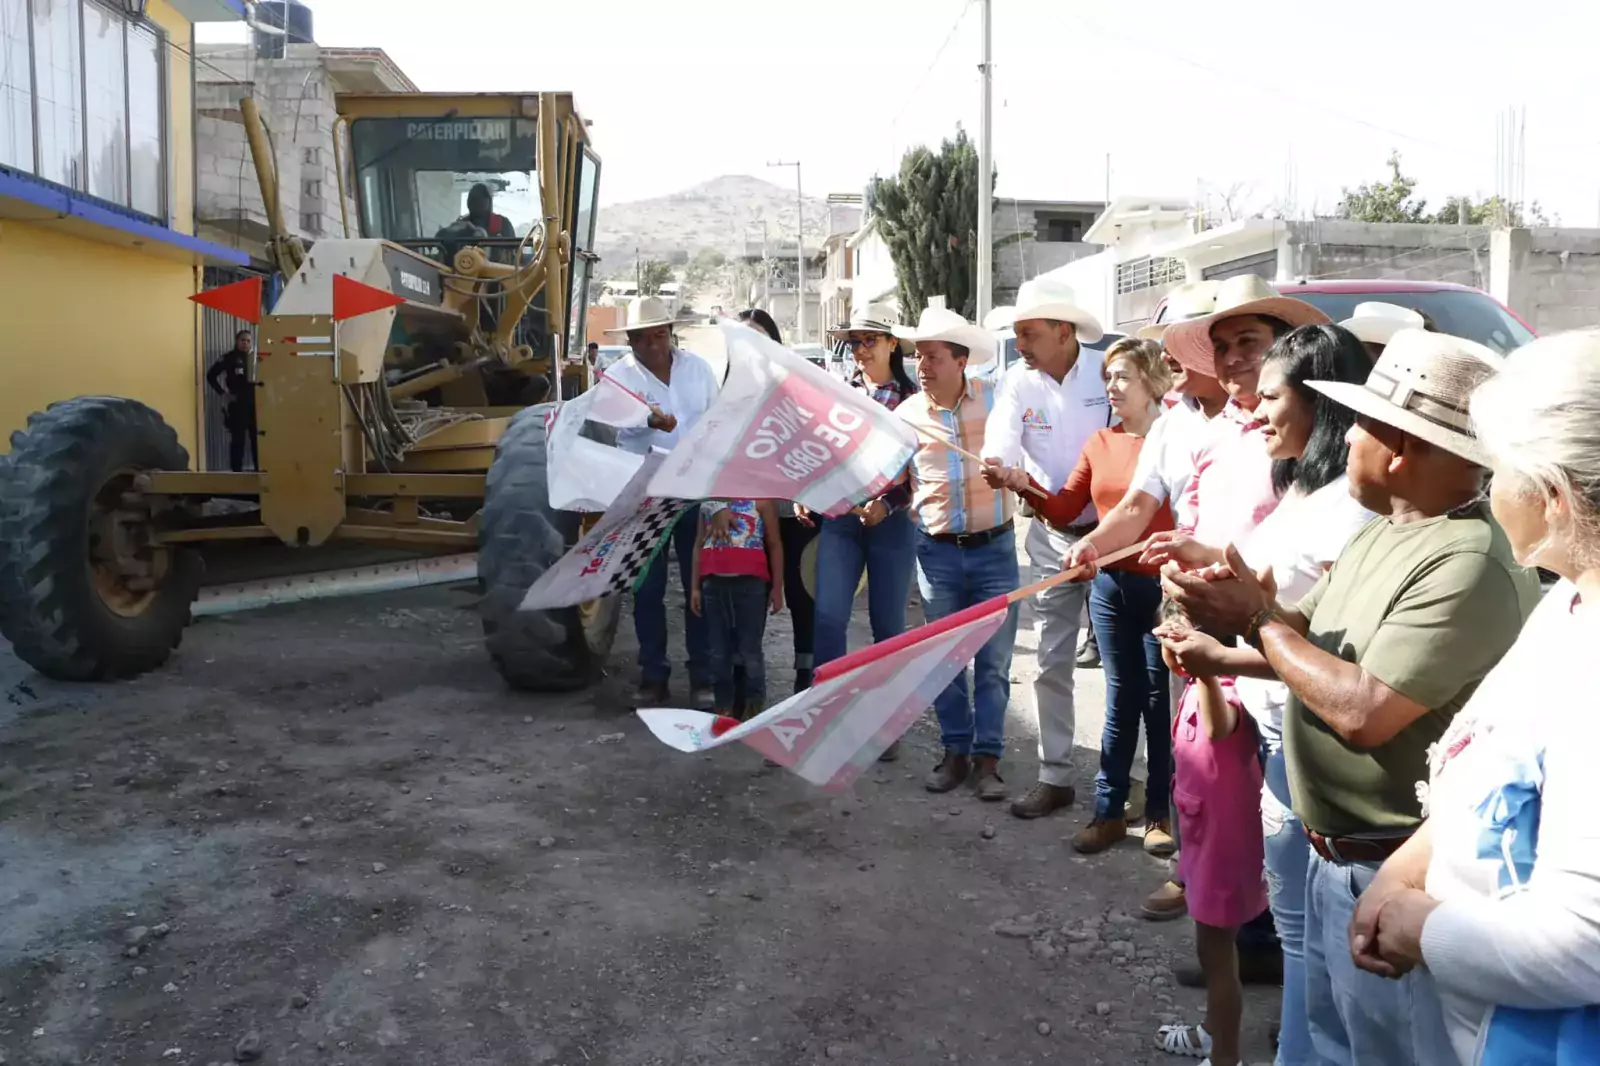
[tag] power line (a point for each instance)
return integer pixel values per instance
(948, 37)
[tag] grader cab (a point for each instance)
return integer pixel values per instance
(399, 387)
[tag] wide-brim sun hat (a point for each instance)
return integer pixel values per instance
(1191, 300)
(942, 324)
(1051, 300)
(1190, 342)
(1376, 322)
(645, 312)
(873, 318)
(1421, 385)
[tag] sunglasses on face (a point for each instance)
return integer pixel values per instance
(861, 340)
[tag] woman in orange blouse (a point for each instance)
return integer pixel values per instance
(1123, 602)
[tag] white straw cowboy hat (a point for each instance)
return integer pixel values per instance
(1421, 384)
(1051, 300)
(942, 324)
(1190, 342)
(1375, 322)
(873, 318)
(1193, 300)
(645, 312)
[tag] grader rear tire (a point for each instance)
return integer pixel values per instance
(84, 596)
(519, 536)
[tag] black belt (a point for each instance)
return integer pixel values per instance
(971, 540)
(1081, 530)
(1343, 850)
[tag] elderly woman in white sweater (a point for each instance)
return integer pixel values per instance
(1499, 893)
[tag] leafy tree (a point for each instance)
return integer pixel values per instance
(704, 267)
(1384, 201)
(652, 276)
(928, 217)
(1492, 211)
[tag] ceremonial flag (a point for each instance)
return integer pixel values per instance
(784, 429)
(863, 702)
(858, 706)
(612, 555)
(584, 474)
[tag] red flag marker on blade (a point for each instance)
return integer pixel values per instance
(352, 298)
(242, 299)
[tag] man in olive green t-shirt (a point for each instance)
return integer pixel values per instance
(1378, 657)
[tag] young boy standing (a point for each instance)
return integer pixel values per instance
(738, 578)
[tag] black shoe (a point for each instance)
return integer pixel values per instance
(802, 680)
(1089, 656)
(891, 753)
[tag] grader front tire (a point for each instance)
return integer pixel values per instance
(84, 594)
(519, 536)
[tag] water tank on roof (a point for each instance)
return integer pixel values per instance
(290, 16)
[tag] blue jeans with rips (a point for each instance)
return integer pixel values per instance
(845, 548)
(972, 708)
(650, 611)
(1357, 1018)
(1123, 606)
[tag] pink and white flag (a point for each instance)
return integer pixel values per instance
(859, 705)
(784, 429)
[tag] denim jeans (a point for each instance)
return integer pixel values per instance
(802, 609)
(845, 548)
(650, 611)
(1288, 854)
(735, 612)
(1357, 1017)
(1123, 607)
(972, 708)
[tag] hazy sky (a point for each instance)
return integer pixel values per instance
(1289, 100)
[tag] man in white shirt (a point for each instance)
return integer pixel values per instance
(1045, 412)
(679, 386)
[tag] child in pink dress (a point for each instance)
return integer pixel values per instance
(1217, 798)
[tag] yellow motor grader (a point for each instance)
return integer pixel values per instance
(416, 428)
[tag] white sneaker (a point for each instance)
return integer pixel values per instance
(1190, 1041)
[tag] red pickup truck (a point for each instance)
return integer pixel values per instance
(1446, 307)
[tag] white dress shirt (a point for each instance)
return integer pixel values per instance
(692, 390)
(1167, 461)
(1044, 424)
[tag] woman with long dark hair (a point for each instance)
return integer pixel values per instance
(1299, 540)
(796, 533)
(877, 538)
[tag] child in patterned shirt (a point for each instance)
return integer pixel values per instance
(737, 579)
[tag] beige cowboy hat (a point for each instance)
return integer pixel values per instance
(645, 312)
(939, 323)
(1421, 384)
(1375, 322)
(873, 318)
(1194, 300)
(1190, 342)
(1049, 299)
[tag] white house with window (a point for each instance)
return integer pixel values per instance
(97, 179)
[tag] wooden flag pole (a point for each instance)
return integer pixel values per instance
(1077, 573)
(968, 455)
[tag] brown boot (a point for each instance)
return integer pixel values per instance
(986, 780)
(1158, 838)
(1099, 835)
(950, 774)
(1042, 799)
(1165, 903)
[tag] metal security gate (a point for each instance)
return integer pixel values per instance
(217, 332)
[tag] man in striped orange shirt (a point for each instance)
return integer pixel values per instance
(966, 549)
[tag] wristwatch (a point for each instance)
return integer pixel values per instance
(1252, 629)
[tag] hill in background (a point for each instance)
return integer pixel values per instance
(720, 214)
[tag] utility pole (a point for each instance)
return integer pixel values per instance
(985, 180)
(799, 255)
(638, 273)
(766, 272)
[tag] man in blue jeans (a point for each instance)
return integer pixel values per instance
(679, 386)
(966, 549)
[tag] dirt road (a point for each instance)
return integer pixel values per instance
(327, 834)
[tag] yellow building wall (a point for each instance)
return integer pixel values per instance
(80, 318)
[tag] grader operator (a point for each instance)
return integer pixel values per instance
(399, 385)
